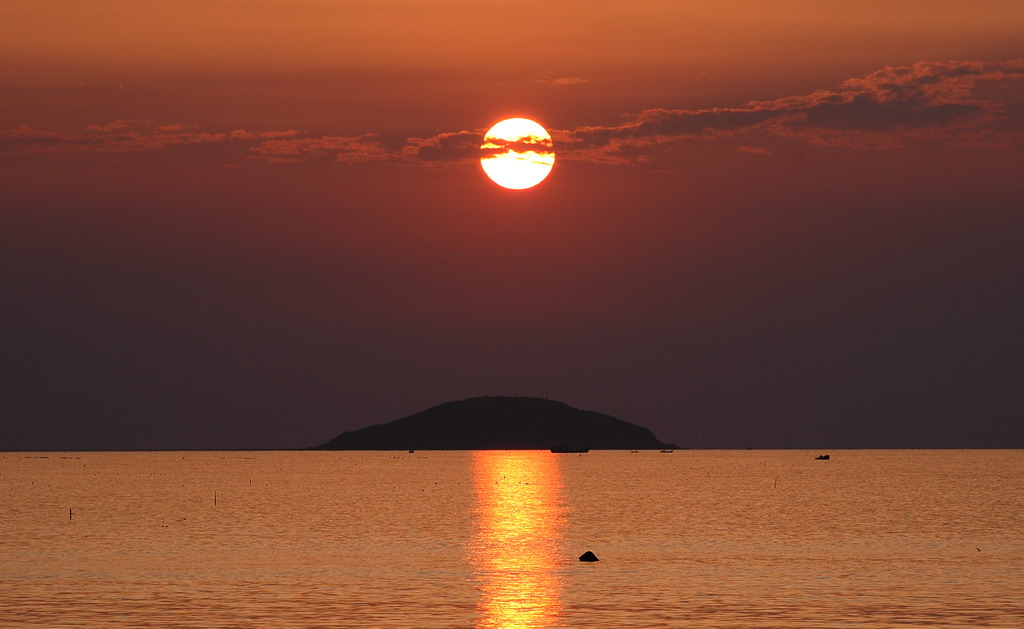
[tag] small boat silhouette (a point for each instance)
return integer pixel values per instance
(568, 450)
(821, 457)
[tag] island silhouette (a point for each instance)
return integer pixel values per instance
(500, 423)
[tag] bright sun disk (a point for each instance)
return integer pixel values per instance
(518, 153)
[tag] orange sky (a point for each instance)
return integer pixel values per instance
(353, 67)
(770, 223)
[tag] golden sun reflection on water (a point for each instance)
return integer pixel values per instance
(519, 518)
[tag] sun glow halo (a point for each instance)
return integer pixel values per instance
(518, 153)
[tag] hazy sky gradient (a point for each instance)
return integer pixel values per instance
(258, 224)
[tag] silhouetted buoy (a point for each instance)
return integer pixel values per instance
(588, 556)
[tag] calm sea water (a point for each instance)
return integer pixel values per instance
(491, 539)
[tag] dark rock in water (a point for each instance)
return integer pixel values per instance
(500, 423)
(588, 556)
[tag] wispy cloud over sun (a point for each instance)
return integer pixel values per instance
(961, 103)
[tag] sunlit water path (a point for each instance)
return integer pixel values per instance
(491, 539)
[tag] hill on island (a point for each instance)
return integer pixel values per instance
(500, 423)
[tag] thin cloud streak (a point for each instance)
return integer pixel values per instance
(563, 80)
(123, 136)
(345, 149)
(890, 108)
(444, 147)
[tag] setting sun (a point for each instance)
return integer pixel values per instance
(518, 153)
